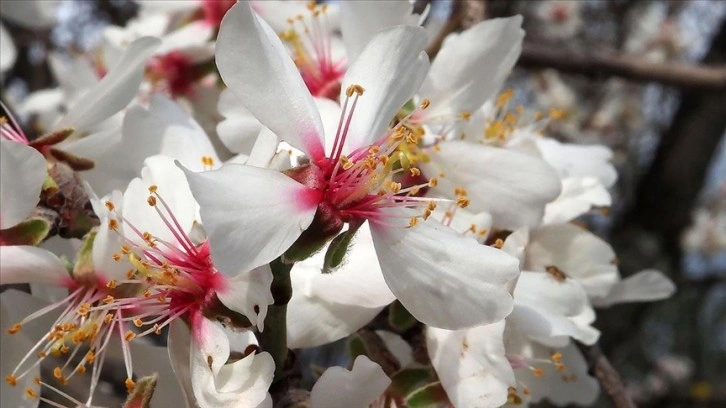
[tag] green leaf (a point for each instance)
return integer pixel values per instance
(428, 396)
(29, 232)
(399, 318)
(405, 381)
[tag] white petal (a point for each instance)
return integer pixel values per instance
(178, 134)
(361, 20)
(114, 91)
(356, 388)
(644, 286)
(241, 384)
(574, 160)
(8, 53)
(471, 66)
(255, 64)
(179, 346)
(471, 364)
(239, 128)
(149, 359)
(397, 346)
(172, 187)
(390, 69)
(513, 187)
(580, 388)
(34, 14)
(194, 35)
(312, 321)
(277, 12)
(247, 291)
(578, 196)
(252, 215)
(578, 253)
(22, 172)
(29, 264)
(444, 279)
(358, 282)
(550, 311)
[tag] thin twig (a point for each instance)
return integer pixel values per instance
(631, 67)
(609, 379)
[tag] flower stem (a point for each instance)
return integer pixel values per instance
(274, 338)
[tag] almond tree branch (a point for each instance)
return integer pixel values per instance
(609, 379)
(630, 67)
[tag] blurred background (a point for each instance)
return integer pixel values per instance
(645, 78)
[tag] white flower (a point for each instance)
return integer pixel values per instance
(437, 274)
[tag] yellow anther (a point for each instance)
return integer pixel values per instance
(504, 98)
(556, 357)
(462, 202)
(42, 354)
(460, 191)
(157, 329)
(538, 372)
(498, 243)
(81, 369)
(108, 299)
(482, 232)
(3, 120)
(425, 103)
(374, 149)
(130, 273)
(555, 113)
(413, 222)
(556, 273)
(138, 322)
(129, 335)
(427, 214)
(311, 5)
(394, 187)
(560, 367)
(355, 88)
(112, 224)
(36, 380)
(111, 284)
(151, 200)
(84, 309)
(130, 384)
(125, 249)
(116, 257)
(57, 373)
(11, 379)
(526, 391)
(90, 357)
(465, 115)
(65, 349)
(414, 191)
(15, 328)
(433, 182)
(152, 188)
(30, 393)
(431, 205)
(414, 171)
(110, 206)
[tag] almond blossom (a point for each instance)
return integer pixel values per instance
(420, 259)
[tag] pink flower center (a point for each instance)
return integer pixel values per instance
(214, 10)
(173, 73)
(359, 185)
(312, 52)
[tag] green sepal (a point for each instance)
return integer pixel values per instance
(140, 396)
(84, 257)
(32, 231)
(429, 396)
(338, 248)
(408, 380)
(49, 182)
(399, 318)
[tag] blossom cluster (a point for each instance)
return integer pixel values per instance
(236, 179)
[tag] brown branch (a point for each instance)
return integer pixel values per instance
(631, 67)
(609, 379)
